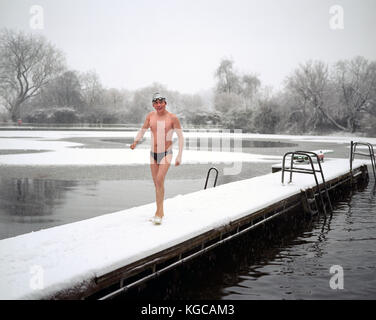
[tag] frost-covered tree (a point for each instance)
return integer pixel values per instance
(27, 63)
(355, 82)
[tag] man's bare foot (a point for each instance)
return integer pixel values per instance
(157, 217)
(157, 220)
(158, 214)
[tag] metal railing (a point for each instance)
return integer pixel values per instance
(308, 155)
(207, 177)
(370, 154)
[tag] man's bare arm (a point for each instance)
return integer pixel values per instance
(141, 133)
(179, 132)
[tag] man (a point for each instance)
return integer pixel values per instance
(162, 125)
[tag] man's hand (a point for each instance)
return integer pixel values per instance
(178, 160)
(133, 145)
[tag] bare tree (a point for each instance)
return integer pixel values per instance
(356, 82)
(114, 98)
(310, 84)
(64, 90)
(27, 63)
(91, 89)
(227, 102)
(234, 91)
(228, 80)
(250, 86)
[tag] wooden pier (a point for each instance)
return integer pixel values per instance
(161, 262)
(105, 282)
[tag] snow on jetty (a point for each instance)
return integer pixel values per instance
(40, 264)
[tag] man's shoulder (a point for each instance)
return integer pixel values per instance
(173, 115)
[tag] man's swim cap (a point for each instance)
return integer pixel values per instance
(158, 96)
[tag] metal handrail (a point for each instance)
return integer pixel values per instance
(204, 249)
(207, 177)
(371, 154)
(313, 171)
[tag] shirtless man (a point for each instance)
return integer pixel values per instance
(162, 125)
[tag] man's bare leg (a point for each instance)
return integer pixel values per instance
(159, 183)
(154, 172)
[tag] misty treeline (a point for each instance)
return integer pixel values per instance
(315, 98)
(37, 86)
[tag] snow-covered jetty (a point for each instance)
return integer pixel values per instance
(80, 259)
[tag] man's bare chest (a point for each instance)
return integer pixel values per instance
(160, 123)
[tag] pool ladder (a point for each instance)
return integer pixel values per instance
(309, 200)
(207, 177)
(370, 154)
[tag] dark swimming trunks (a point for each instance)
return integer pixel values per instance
(159, 156)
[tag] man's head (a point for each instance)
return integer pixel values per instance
(159, 102)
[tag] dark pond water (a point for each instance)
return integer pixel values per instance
(214, 143)
(42, 197)
(292, 263)
(298, 266)
(290, 258)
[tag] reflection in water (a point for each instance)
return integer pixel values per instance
(32, 204)
(31, 197)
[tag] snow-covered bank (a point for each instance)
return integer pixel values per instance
(62, 152)
(73, 254)
(127, 134)
(67, 153)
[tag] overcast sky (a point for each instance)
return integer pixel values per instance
(179, 43)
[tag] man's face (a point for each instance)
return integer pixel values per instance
(159, 105)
